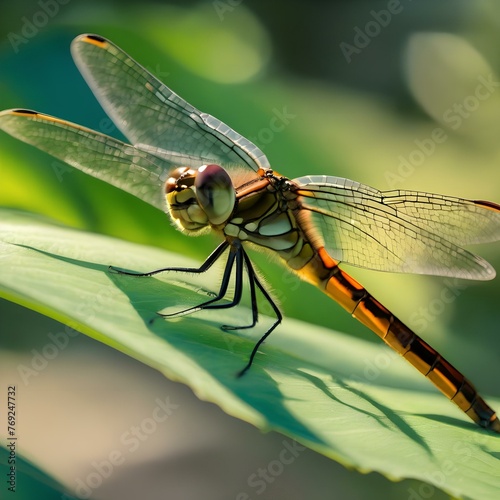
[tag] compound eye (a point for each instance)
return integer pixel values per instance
(215, 193)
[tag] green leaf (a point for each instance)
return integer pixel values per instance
(353, 401)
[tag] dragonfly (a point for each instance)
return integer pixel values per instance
(208, 177)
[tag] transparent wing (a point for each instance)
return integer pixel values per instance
(397, 231)
(150, 114)
(99, 155)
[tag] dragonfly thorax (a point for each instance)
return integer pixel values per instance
(199, 199)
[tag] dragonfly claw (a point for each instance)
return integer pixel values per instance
(242, 372)
(154, 318)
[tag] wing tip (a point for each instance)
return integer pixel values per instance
(490, 273)
(91, 38)
(7, 115)
(19, 112)
(484, 271)
(488, 205)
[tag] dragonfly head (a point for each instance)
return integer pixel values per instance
(200, 198)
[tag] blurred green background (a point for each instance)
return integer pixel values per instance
(364, 85)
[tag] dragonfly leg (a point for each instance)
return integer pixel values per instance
(279, 317)
(239, 259)
(242, 258)
(211, 259)
(234, 255)
(238, 291)
(243, 262)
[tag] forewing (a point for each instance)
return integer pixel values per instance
(99, 155)
(397, 231)
(149, 113)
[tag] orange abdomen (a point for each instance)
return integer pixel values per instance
(323, 271)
